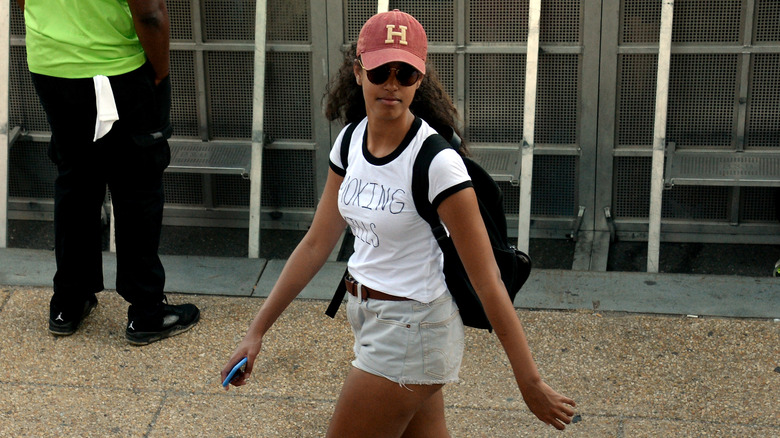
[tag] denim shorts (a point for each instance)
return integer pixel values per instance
(407, 342)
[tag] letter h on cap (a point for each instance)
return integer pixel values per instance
(391, 33)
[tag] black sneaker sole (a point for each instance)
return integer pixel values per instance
(146, 338)
(64, 330)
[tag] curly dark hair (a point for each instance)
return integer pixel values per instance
(344, 100)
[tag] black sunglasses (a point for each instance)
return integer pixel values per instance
(406, 74)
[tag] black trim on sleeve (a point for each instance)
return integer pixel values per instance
(336, 169)
(450, 191)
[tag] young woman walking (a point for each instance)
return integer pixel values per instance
(408, 333)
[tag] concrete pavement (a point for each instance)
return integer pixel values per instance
(644, 355)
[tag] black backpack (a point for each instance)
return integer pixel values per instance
(515, 265)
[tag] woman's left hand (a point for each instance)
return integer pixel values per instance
(549, 406)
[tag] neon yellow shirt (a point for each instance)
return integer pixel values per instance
(81, 38)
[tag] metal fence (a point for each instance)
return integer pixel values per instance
(593, 118)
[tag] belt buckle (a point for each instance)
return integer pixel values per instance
(360, 293)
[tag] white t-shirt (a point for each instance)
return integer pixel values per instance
(395, 251)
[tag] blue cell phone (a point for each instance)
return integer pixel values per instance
(232, 374)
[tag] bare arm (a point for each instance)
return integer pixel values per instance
(305, 261)
(461, 215)
(152, 25)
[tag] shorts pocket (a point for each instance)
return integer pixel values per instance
(385, 343)
(352, 315)
(443, 347)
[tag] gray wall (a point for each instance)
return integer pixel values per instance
(594, 120)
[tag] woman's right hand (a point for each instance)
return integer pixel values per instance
(304, 262)
(249, 347)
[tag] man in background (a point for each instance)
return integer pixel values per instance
(101, 71)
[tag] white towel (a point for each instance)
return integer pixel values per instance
(106, 107)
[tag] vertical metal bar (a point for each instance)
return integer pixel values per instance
(201, 87)
(588, 113)
(256, 172)
(459, 65)
(336, 33)
(5, 41)
(382, 6)
(607, 112)
(198, 58)
(529, 118)
(593, 256)
(320, 20)
(742, 102)
(659, 136)
(744, 77)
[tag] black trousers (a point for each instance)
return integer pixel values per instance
(130, 160)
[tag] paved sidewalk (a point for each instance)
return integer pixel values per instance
(632, 374)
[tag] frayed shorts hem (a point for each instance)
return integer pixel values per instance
(403, 381)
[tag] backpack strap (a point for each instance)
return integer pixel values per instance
(451, 136)
(338, 296)
(341, 288)
(430, 148)
(345, 141)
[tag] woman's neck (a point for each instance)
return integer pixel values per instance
(384, 136)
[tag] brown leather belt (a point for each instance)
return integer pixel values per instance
(367, 292)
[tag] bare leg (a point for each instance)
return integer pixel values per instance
(373, 406)
(429, 421)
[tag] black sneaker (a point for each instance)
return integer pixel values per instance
(64, 322)
(175, 320)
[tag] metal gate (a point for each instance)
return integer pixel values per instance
(595, 94)
(479, 49)
(722, 121)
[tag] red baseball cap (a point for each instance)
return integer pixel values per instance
(392, 36)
